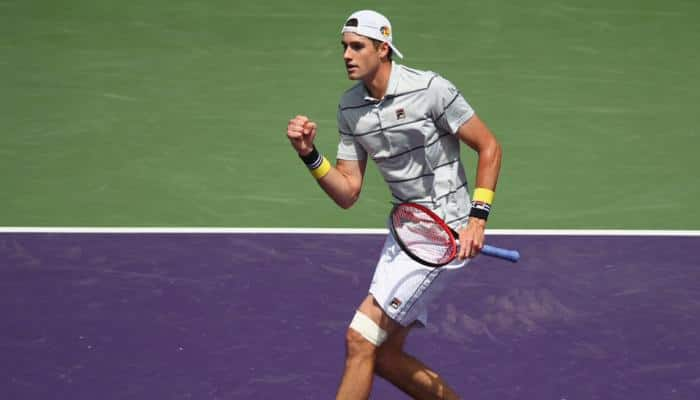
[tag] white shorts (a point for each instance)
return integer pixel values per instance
(404, 288)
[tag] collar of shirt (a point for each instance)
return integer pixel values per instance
(390, 88)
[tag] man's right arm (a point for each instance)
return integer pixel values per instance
(341, 183)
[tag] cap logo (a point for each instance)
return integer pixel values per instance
(385, 30)
(395, 303)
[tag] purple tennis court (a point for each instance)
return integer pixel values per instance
(263, 316)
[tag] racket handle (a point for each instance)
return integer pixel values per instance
(505, 254)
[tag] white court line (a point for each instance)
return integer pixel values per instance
(342, 231)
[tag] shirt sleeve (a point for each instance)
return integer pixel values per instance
(448, 107)
(348, 148)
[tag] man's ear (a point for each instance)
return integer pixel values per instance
(384, 50)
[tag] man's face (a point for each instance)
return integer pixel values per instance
(361, 57)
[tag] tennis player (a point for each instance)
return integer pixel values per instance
(411, 123)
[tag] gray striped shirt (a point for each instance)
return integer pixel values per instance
(411, 136)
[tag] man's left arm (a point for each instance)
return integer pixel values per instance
(478, 136)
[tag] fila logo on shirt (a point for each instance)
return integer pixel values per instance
(400, 113)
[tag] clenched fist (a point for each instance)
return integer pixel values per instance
(301, 132)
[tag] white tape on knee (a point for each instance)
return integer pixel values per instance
(369, 330)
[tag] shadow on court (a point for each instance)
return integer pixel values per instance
(245, 316)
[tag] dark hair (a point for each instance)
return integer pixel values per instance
(378, 43)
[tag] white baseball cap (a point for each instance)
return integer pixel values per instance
(372, 25)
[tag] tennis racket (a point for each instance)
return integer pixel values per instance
(426, 238)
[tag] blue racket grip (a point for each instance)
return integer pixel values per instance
(505, 254)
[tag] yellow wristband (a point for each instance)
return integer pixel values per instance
(322, 169)
(484, 195)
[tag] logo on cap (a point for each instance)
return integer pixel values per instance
(395, 303)
(385, 30)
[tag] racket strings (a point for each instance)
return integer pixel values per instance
(423, 236)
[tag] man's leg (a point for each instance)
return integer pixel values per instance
(361, 354)
(407, 373)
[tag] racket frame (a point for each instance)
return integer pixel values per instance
(439, 221)
(491, 251)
